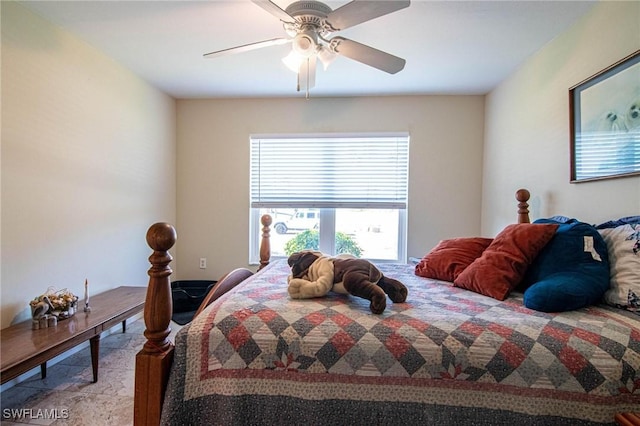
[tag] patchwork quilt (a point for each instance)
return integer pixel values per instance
(446, 356)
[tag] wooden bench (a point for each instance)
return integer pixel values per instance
(22, 348)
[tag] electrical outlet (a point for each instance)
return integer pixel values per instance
(203, 263)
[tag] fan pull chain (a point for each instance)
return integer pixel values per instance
(308, 66)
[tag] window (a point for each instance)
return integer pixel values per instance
(333, 193)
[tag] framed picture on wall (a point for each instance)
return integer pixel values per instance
(605, 123)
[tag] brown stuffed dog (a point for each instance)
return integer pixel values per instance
(314, 274)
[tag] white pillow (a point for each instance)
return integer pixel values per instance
(623, 245)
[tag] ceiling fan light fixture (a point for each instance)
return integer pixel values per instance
(293, 61)
(303, 46)
(305, 43)
(326, 56)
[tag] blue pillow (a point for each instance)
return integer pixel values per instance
(571, 271)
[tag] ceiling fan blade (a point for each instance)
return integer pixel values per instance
(367, 55)
(359, 11)
(247, 47)
(307, 74)
(275, 10)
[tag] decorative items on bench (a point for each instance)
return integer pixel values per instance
(51, 306)
(87, 308)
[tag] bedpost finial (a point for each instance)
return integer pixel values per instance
(159, 304)
(266, 220)
(161, 236)
(522, 195)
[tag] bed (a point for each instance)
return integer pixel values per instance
(253, 355)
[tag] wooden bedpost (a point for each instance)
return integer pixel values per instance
(522, 195)
(265, 244)
(153, 362)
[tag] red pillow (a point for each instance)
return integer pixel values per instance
(450, 257)
(503, 264)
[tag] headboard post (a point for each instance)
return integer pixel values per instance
(153, 362)
(265, 244)
(522, 195)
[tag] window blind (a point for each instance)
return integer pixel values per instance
(330, 171)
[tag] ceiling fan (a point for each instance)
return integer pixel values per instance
(309, 23)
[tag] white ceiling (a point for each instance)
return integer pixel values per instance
(451, 47)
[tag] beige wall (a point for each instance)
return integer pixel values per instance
(213, 166)
(88, 163)
(527, 125)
